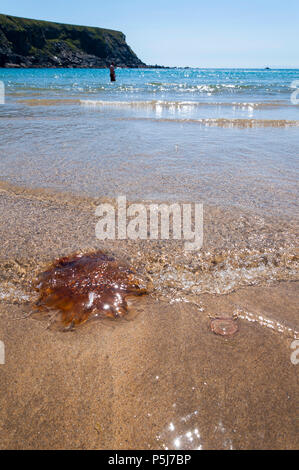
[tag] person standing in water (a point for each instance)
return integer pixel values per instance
(112, 72)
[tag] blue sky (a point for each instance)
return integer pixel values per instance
(218, 33)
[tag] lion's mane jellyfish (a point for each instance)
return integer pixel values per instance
(224, 326)
(81, 287)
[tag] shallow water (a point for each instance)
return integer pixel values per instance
(215, 136)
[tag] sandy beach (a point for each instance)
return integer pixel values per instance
(161, 379)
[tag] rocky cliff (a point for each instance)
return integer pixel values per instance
(34, 43)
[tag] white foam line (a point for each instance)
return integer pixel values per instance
(171, 104)
(266, 322)
(11, 293)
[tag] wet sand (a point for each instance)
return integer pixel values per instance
(160, 380)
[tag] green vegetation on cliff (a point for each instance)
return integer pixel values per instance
(35, 43)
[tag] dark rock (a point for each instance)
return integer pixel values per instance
(34, 43)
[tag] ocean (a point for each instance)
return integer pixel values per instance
(218, 136)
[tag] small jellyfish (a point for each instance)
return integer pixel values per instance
(81, 287)
(224, 326)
